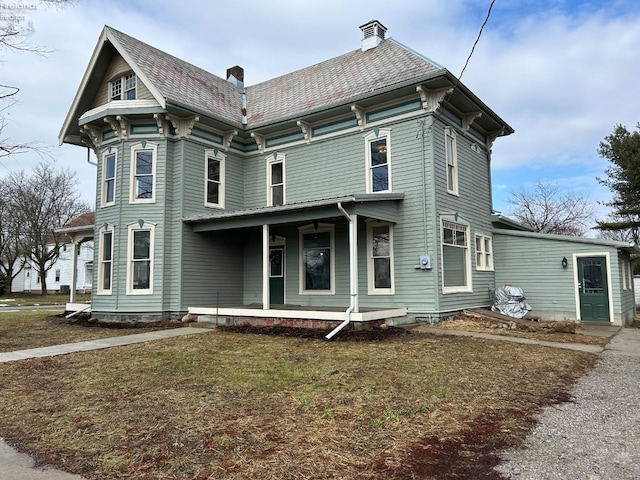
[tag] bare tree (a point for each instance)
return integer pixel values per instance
(544, 208)
(43, 202)
(14, 36)
(12, 243)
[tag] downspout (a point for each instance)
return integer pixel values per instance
(89, 158)
(352, 274)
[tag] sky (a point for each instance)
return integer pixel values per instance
(562, 73)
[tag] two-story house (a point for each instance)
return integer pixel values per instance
(354, 190)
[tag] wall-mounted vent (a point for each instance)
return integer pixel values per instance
(372, 34)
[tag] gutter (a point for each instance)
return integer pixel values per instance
(352, 273)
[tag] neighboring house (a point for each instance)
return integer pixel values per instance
(62, 274)
(59, 276)
(357, 189)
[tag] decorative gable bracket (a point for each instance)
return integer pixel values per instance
(360, 115)
(94, 134)
(182, 125)
(431, 99)
(491, 137)
(163, 124)
(120, 125)
(259, 140)
(306, 129)
(227, 137)
(468, 119)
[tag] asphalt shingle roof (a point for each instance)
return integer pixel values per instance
(324, 85)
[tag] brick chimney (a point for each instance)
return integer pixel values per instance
(235, 75)
(372, 34)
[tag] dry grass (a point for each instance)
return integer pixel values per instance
(246, 406)
(472, 324)
(24, 329)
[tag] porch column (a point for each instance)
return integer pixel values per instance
(265, 267)
(353, 251)
(74, 269)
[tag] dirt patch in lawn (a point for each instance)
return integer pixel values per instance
(545, 330)
(234, 405)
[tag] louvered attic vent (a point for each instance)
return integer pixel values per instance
(372, 34)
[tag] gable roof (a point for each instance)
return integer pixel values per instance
(180, 87)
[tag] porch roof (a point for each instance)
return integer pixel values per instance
(381, 206)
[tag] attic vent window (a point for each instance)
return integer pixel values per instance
(124, 88)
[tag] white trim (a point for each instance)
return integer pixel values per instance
(576, 281)
(214, 154)
(484, 265)
(373, 136)
(131, 229)
(272, 160)
(303, 314)
(468, 287)
(101, 290)
(154, 163)
(451, 159)
(103, 190)
(372, 290)
(321, 228)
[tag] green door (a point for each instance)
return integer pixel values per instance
(276, 275)
(593, 289)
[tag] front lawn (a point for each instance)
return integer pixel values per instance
(25, 329)
(247, 406)
(27, 299)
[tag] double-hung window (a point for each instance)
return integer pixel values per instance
(452, 160)
(123, 88)
(378, 157)
(214, 178)
(108, 178)
(317, 263)
(455, 257)
(275, 180)
(380, 258)
(484, 252)
(105, 266)
(140, 258)
(143, 173)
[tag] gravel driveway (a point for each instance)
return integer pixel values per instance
(595, 437)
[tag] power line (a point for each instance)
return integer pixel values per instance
(477, 39)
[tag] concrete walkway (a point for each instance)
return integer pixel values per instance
(19, 466)
(98, 344)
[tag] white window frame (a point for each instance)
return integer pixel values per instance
(319, 228)
(219, 156)
(272, 160)
(459, 225)
(101, 261)
(451, 160)
(372, 290)
(140, 226)
(105, 180)
(484, 254)
(144, 146)
(57, 278)
(373, 136)
(120, 87)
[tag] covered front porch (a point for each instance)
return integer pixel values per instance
(301, 263)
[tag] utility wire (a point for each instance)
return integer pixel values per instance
(477, 38)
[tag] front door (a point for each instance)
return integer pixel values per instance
(593, 289)
(276, 275)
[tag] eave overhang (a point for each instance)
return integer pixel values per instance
(623, 246)
(301, 212)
